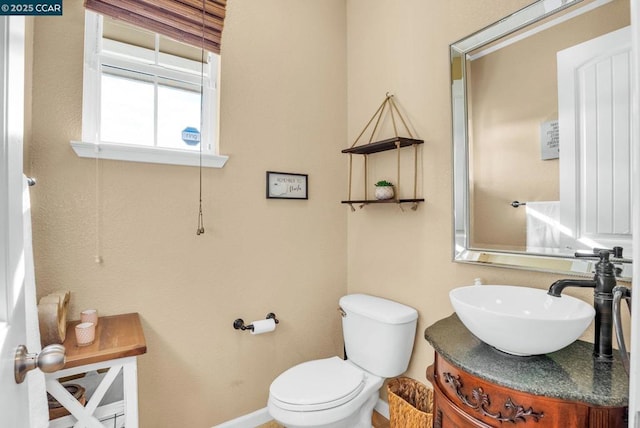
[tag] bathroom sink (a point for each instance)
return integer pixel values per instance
(521, 320)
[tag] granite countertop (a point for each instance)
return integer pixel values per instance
(569, 374)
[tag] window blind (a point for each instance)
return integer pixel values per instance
(182, 20)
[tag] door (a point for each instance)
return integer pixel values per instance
(594, 110)
(14, 398)
(634, 381)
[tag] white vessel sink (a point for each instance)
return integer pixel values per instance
(521, 320)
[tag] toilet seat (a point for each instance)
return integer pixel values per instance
(317, 385)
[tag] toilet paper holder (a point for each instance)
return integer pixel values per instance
(239, 323)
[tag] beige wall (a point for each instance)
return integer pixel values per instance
(402, 47)
(283, 108)
(294, 93)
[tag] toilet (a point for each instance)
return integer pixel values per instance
(336, 393)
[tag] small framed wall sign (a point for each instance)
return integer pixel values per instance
(549, 140)
(284, 185)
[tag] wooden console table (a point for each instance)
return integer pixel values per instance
(119, 341)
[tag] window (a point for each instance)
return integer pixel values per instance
(143, 96)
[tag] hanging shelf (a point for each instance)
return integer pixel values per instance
(395, 143)
(382, 146)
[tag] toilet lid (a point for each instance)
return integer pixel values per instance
(317, 385)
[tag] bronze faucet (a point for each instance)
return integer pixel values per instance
(603, 283)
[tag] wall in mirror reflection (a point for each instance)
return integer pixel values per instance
(512, 91)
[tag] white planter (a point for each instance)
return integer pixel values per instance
(384, 192)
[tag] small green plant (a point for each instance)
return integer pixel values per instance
(384, 183)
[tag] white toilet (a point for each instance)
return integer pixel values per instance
(337, 393)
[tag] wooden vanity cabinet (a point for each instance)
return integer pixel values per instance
(464, 400)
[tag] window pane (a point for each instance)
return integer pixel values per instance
(126, 111)
(178, 109)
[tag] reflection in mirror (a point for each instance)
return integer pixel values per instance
(541, 131)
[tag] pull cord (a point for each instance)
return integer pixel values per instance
(200, 230)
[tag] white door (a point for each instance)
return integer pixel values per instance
(634, 381)
(14, 398)
(594, 111)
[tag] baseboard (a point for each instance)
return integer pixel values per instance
(262, 416)
(382, 407)
(253, 419)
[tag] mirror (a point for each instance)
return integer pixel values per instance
(542, 168)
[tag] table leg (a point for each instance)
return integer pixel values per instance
(130, 386)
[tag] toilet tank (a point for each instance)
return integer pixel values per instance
(378, 333)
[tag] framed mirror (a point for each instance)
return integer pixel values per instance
(541, 104)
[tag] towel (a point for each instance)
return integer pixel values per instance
(543, 231)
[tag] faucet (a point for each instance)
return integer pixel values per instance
(603, 283)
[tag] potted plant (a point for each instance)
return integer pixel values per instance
(384, 190)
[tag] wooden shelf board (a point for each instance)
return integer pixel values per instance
(381, 146)
(117, 336)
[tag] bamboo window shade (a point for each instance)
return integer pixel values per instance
(182, 20)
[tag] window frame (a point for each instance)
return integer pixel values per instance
(94, 57)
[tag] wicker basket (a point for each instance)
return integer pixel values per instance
(410, 403)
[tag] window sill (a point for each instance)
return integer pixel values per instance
(146, 154)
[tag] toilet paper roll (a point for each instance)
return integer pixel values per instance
(263, 326)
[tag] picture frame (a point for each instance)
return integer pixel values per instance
(285, 185)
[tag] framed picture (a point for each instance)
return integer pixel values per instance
(283, 185)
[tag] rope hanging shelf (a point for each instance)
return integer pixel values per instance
(394, 143)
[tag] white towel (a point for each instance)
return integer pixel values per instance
(38, 406)
(543, 231)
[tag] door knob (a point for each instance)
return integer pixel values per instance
(49, 360)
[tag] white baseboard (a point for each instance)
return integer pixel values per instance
(250, 420)
(262, 416)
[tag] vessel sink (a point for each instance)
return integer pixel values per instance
(521, 320)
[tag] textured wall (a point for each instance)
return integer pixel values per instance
(403, 47)
(283, 108)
